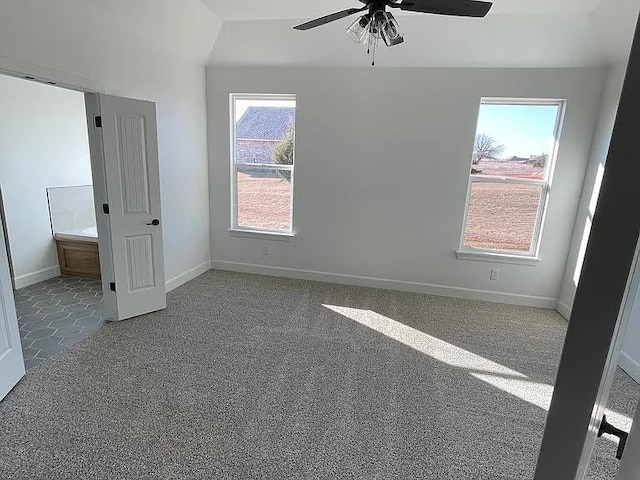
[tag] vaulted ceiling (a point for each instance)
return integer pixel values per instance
(517, 33)
(183, 27)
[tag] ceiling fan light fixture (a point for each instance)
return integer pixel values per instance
(390, 30)
(359, 29)
(378, 24)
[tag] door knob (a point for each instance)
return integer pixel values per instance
(606, 427)
(154, 223)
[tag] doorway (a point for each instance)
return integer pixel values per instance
(49, 216)
(123, 151)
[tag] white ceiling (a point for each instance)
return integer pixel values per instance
(184, 27)
(296, 9)
(518, 33)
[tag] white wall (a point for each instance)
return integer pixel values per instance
(382, 166)
(89, 40)
(43, 143)
(591, 187)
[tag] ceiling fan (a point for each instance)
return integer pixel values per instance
(377, 23)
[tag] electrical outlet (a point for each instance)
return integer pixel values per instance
(495, 274)
(267, 250)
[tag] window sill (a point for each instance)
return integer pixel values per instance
(497, 258)
(281, 237)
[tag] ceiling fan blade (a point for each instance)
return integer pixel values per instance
(460, 8)
(329, 18)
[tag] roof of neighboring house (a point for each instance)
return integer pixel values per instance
(265, 123)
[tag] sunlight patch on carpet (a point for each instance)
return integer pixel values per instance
(498, 376)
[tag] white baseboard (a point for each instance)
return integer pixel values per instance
(190, 274)
(385, 284)
(563, 309)
(629, 365)
(37, 276)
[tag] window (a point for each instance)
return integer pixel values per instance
(262, 163)
(509, 183)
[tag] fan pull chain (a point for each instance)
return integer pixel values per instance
(373, 43)
(373, 62)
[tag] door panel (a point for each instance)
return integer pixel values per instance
(126, 141)
(140, 259)
(11, 360)
(133, 164)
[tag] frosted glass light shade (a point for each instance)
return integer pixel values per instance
(359, 29)
(390, 30)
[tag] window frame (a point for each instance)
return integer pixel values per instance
(509, 256)
(245, 231)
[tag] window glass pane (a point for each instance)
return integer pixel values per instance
(264, 134)
(264, 198)
(264, 131)
(502, 216)
(514, 140)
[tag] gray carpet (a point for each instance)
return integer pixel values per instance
(250, 377)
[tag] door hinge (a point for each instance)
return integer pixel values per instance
(98, 121)
(105, 208)
(112, 286)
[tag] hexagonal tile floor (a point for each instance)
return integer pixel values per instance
(57, 313)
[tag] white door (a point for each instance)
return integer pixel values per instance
(11, 361)
(124, 159)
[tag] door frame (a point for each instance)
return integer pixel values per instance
(47, 76)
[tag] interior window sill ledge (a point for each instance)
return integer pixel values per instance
(281, 237)
(497, 258)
